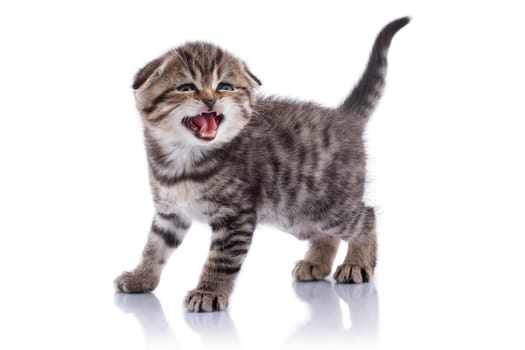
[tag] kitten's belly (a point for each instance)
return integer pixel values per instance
(300, 228)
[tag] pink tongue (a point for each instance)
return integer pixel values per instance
(206, 124)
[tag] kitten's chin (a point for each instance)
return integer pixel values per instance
(204, 126)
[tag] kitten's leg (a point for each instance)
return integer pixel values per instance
(360, 260)
(319, 258)
(166, 233)
(231, 238)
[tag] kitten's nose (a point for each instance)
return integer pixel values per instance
(210, 102)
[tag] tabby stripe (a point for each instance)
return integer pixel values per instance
(310, 183)
(226, 270)
(320, 208)
(241, 217)
(292, 197)
(324, 207)
(246, 91)
(203, 71)
(222, 202)
(286, 177)
(218, 56)
(167, 216)
(195, 177)
(216, 60)
(240, 252)
(231, 223)
(155, 152)
(274, 160)
(237, 233)
(344, 222)
(157, 100)
(188, 61)
(335, 223)
(327, 137)
(244, 112)
(339, 222)
(287, 139)
(362, 100)
(274, 195)
(169, 238)
(225, 260)
(231, 237)
(233, 243)
(216, 158)
(369, 221)
(175, 219)
(314, 154)
(355, 219)
(302, 153)
(161, 116)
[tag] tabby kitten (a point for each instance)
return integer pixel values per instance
(219, 154)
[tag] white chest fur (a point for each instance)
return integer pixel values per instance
(184, 199)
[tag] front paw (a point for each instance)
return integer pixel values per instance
(199, 300)
(350, 273)
(309, 271)
(136, 282)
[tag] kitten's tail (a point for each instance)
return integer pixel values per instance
(364, 97)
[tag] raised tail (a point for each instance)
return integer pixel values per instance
(364, 97)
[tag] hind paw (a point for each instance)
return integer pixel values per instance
(136, 282)
(309, 271)
(205, 301)
(349, 273)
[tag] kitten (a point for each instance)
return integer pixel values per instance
(219, 154)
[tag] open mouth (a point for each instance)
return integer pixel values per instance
(204, 126)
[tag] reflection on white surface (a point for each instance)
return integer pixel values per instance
(216, 329)
(324, 325)
(148, 312)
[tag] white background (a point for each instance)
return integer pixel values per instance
(446, 174)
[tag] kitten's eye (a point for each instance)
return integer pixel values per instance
(225, 87)
(186, 87)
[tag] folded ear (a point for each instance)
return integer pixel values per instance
(251, 76)
(146, 72)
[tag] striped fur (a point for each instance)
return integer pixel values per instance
(296, 165)
(364, 97)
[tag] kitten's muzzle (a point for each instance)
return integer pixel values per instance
(210, 102)
(204, 126)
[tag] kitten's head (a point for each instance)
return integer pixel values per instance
(196, 94)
